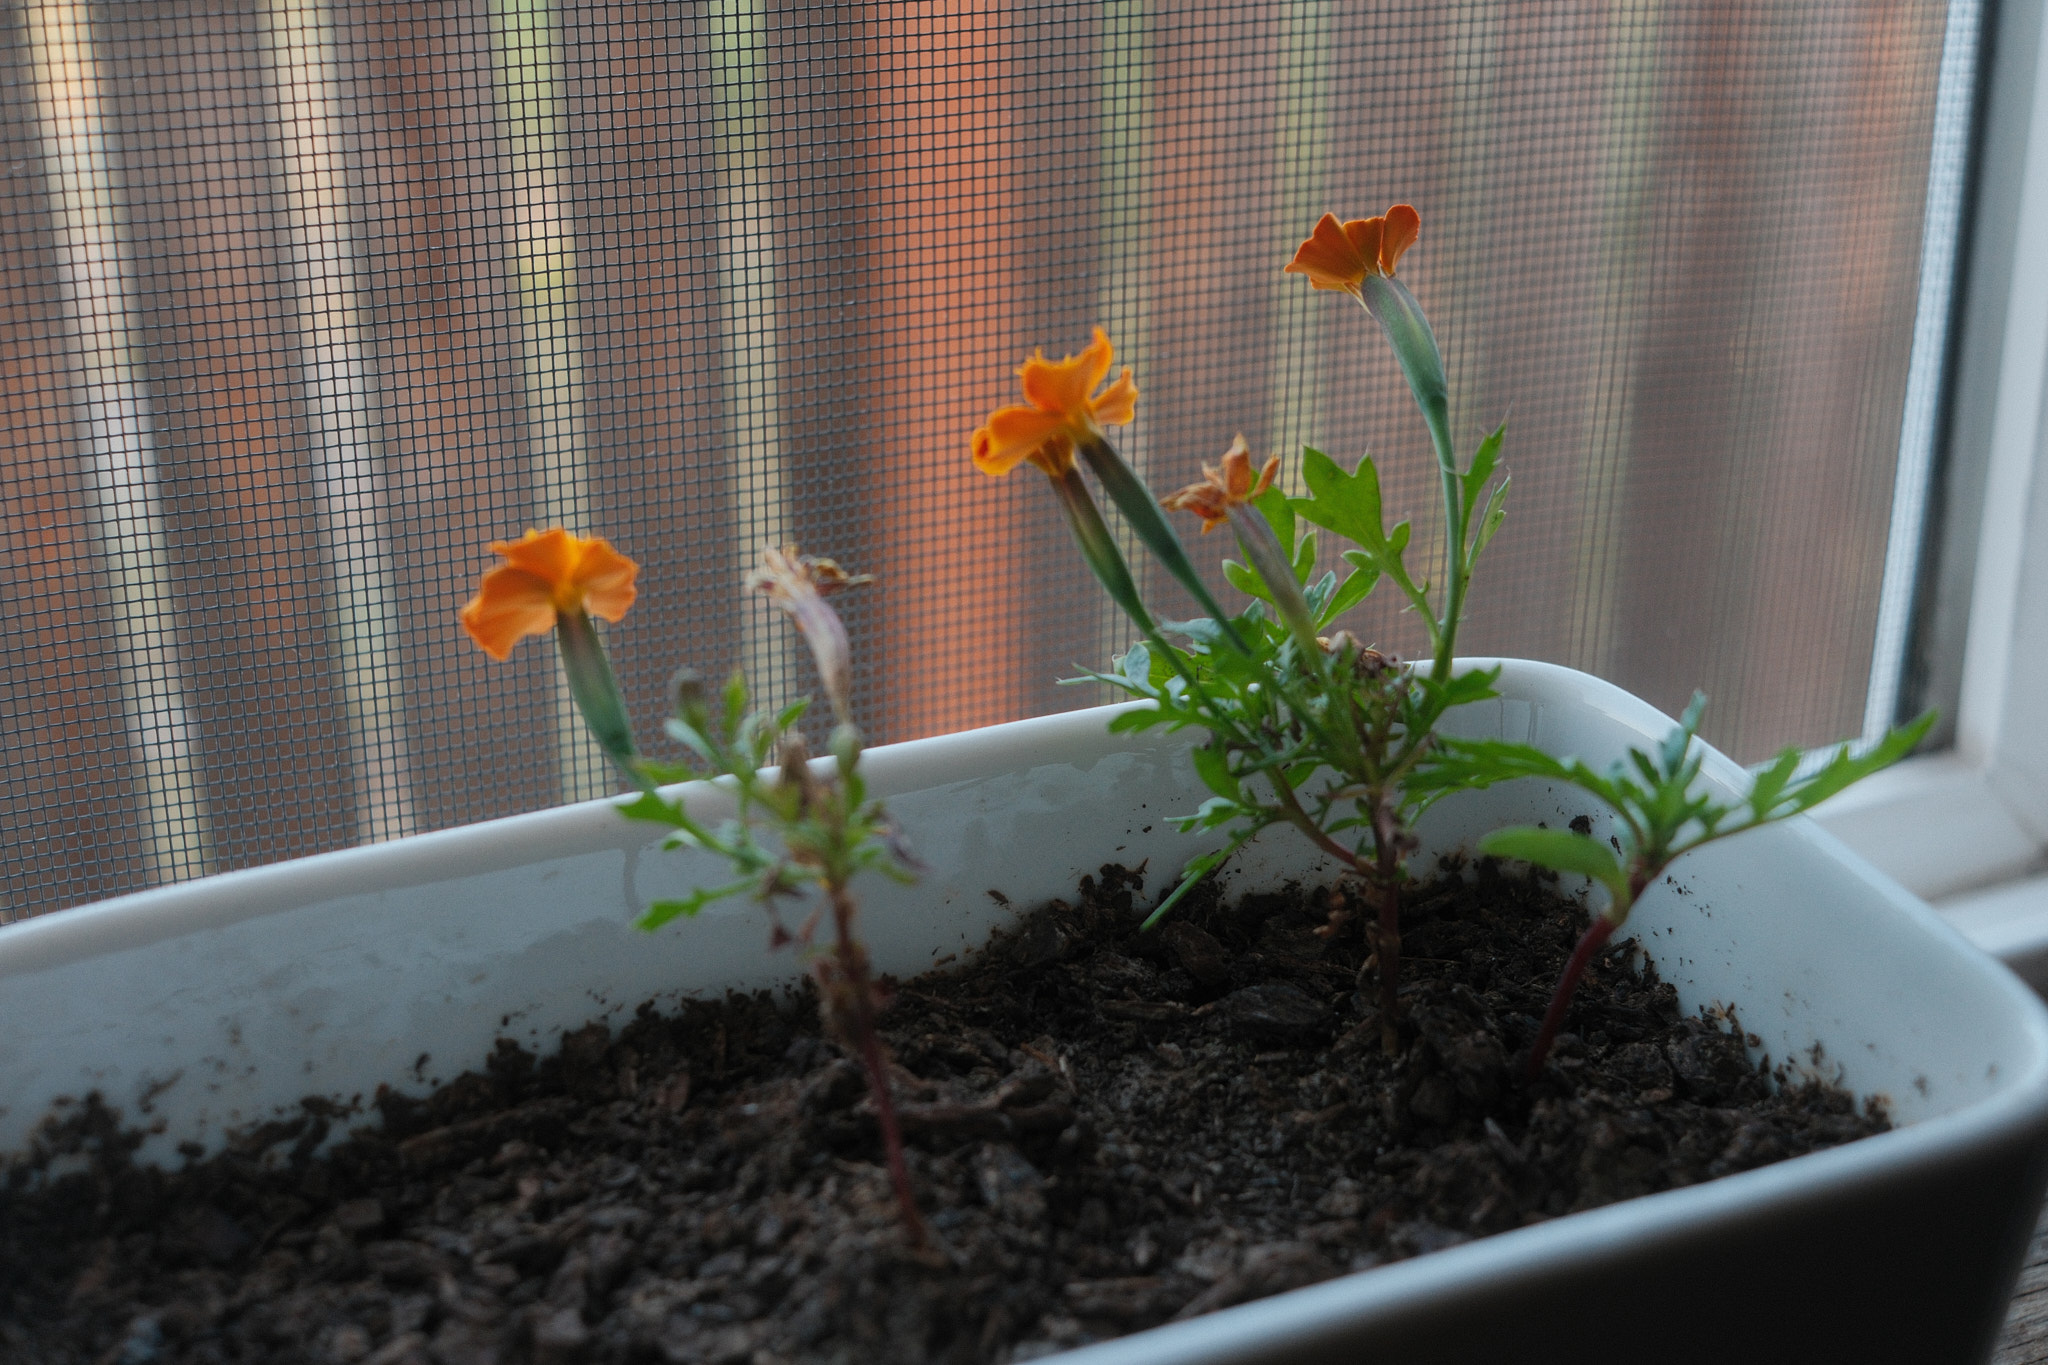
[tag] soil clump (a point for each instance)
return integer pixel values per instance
(1108, 1130)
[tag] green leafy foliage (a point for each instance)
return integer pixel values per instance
(1473, 480)
(1662, 810)
(662, 911)
(796, 825)
(1349, 504)
(1326, 740)
(1318, 731)
(1473, 485)
(1559, 849)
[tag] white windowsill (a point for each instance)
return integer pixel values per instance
(1937, 824)
(2009, 922)
(1940, 827)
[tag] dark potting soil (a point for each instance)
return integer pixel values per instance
(1107, 1130)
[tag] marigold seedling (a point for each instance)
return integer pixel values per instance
(1316, 731)
(820, 828)
(1662, 811)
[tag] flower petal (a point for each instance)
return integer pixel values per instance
(1118, 403)
(1265, 477)
(1204, 499)
(1061, 413)
(798, 583)
(1365, 235)
(1064, 387)
(604, 579)
(1223, 486)
(547, 573)
(1329, 257)
(511, 604)
(1236, 474)
(1016, 434)
(548, 555)
(1099, 356)
(1403, 226)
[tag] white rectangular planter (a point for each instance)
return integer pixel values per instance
(205, 1006)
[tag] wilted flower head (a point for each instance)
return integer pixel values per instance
(799, 584)
(1367, 661)
(1224, 487)
(1061, 411)
(785, 573)
(1340, 255)
(547, 575)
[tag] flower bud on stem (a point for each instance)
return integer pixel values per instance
(799, 585)
(595, 689)
(1262, 551)
(1413, 342)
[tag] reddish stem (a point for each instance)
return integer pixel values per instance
(892, 1136)
(1388, 948)
(1589, 943)
(1386, 837)
(853, 967)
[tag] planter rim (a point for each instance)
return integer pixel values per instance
(137, 918)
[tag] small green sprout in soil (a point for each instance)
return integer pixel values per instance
(1662, 810)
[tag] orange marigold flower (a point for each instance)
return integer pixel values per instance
(1223, 488)
(547, 574)
(1060, 412)
(1340, 256)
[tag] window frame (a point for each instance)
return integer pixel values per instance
(1967, 826)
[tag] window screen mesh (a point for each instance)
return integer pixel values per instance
(301, 303)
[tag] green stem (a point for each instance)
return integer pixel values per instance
(1454, 576)
(1385, 876)
(596, 693)
(1290, 806)
(1255, 537)
(1387, 939)
(1414, 344)
(852, 963)
(1098, 547)
(1148, 519)
(1590, 943)
(1642, 872)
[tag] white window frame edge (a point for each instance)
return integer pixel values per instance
(1967, 828)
